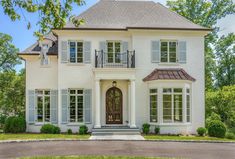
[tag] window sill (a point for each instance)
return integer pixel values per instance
(171, 124)
(75, 124)
(40, 124)
(76, 64)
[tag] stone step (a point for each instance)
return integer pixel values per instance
(115, 131)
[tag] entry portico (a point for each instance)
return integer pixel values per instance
(123, 80)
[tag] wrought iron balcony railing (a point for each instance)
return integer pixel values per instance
(114, 60)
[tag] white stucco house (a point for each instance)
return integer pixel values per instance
(132, 62)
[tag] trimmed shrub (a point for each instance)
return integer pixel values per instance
(230, 136)
(69, 131)
(83, 129)
(211, 118)
(50, 129)
(216, 129)
(15, 124)
(2, 120)
(157, 130)
(146, 128)
(201, 131)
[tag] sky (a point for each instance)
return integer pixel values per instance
(23, 38)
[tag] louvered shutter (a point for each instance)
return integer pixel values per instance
(64, 52)
(64, 104)
(31, 106)
(54, 106)
(124, 50)
(155, 51)
(88, 105)
(182, 53)
(87, 51)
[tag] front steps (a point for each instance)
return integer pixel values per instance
(115, 130)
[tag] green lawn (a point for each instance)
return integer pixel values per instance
(165, 137)
(41, 136)
(94, 157)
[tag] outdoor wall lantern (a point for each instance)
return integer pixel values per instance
(114, 83)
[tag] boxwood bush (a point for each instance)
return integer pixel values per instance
(69, 131)
(217, 128)
(201, 131)
(15, 124)
(146, 128)
(230, 136)
(50, 129)
(83, 130)
(157, 130)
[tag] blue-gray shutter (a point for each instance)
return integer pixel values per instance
(182, 52)
(155, 51)
(64, 52)
(31, 106)
(87, 51)
(103, 46)
(64, 104)
(54, 106)
(124, 50)
(88, 105)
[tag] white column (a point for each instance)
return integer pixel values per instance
(132, 124)
(97, 104)
(129, 103)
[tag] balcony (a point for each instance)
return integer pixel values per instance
(114, 60)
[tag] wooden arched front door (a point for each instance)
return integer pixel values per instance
(114, 106)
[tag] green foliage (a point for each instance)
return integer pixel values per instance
(230, 135)
(205, 13)
(69, 131)
(2, 120)
(201, 131)
(216, 129)
(157, 130)
(51, 13)
(225, 53)
(8, 53)
(50, 129)
(222, 102)
(146, 128)
(83, 129)
(15, 124)
(12, 93)
(211, 118)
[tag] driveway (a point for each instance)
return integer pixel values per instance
(119, 148)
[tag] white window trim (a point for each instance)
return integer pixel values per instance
(190, 105)
(43, 106)
(114, 41)
(149, 103)
(168, 54)
(76, 63)
(83, 111)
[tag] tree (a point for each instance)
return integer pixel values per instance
(8, 53)
(12, 93)
(51, 13)
(205, 13)
(225, 53)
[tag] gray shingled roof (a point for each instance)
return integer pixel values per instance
(117, 14)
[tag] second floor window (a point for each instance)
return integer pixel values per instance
(76, 52)
(114, 52)
(168, 51)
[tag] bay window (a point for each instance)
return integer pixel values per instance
(153, 105)
(75, 105)
(43, 106)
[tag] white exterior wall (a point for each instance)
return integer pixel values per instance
(63, 76)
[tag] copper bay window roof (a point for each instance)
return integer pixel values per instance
(168, 74)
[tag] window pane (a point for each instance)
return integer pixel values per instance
(172, 51)
(79, 52)
(79, 91)
(188, 108)
(47, 92)
(39, 109)
(164, 49)
(167, 108)
(72, 91)
(178, 90)
(72, 109)
(178, 108)
(153, 108)
(47, 108)
(72, 52)
(167, 90)
(153, 90)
